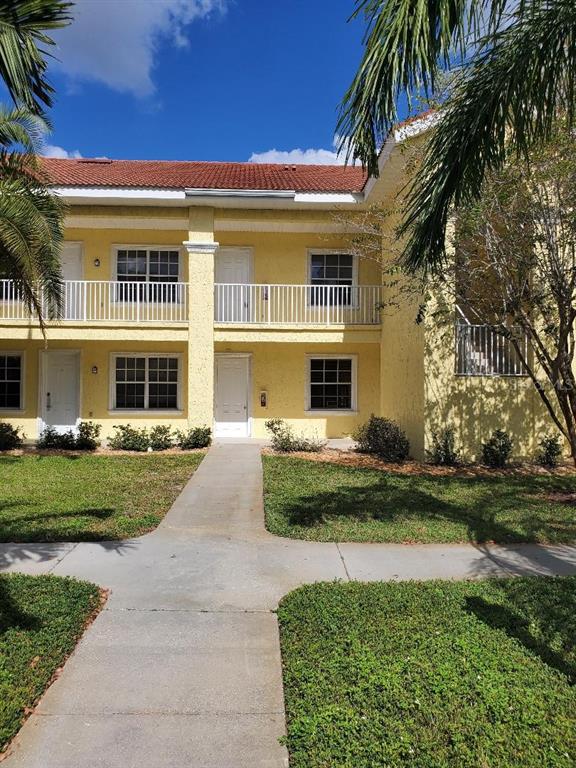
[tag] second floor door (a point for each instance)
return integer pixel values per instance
(232, 272)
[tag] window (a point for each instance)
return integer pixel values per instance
(331, 382)
(150, 274)
(146, 382)
(11, 381)
(332, 275)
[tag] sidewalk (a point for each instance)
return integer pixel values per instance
(183, 668)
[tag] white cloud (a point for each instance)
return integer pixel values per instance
(301, 156)
(52, 150)
(115, 41)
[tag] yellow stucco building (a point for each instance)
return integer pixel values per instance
(225, 294)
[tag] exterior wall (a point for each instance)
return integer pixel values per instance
(477, 405)
(281, 370)
(282, 257)
(99, 244)
(94, 388)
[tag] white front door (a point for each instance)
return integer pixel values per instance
(231, 396)
(72, 270)
(60, 397)
(232, 277)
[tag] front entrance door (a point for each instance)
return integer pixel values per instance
(231, 394)
(72, 272)
(233, 301)
(60, 397)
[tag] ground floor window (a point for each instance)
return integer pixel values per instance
(331, 383)
(10, 380)
(146, 382)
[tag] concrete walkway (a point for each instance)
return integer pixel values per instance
(182, 668)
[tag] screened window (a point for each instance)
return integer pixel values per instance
(153, 270)
(331, 383)
(146, 382)
(10, 381)
(332, 275)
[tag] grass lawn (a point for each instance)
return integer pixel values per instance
(324, 501)
(88, 498)
(411, 675)
(41, 619)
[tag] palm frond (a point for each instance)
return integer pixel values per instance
(31, 234)
(19, 126)
(511, 96)
(408, 44)
(23, 48)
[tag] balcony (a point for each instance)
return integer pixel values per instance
(98, 301)
(93, 302)
(482, 352)
(292, 305)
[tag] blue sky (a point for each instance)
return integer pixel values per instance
(203, 79)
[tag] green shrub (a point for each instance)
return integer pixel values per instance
(87, 435)
(196, 437)
(50, 438)
(384, 438)
(496, 451)
(444, 452)
(285, 441)
(10, 437)
(161, 437)
(128, 438)
(550, 451)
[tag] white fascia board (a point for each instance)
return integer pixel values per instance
(329, 198)
(119, 195)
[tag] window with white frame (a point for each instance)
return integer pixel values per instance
(146, 382)
(333, 276)
(331, 382)
(150, 274)
(11, 379)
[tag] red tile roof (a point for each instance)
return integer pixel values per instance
(168, 174)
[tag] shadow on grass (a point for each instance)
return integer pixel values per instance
(393, 499)
(540, 614)
(40, 529)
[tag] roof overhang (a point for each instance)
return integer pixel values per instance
(216, 198)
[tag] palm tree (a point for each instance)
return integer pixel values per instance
(31, 217)
(514, 63)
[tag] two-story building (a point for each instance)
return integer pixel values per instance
(225, 294)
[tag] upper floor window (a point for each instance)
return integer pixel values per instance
(333, 277)
(11, 381)
(154, 268)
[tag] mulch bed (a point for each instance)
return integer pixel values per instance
(350, 458)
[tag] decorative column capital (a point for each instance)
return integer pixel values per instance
(193, 247)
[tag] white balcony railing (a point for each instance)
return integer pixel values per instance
(268, 304)
(96, 301)
(480, 351)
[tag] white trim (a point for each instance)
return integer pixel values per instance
(44, 353)
(120, 193)
(249, 419)
(193, 247)
(115, 247)
(112, 410)
(22, 355)
(323, 198)
(332, 412)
